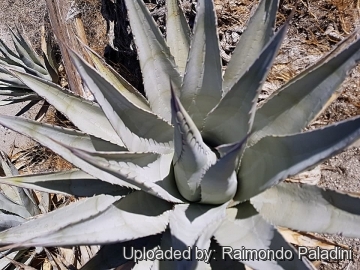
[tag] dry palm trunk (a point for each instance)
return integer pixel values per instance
(65, 34)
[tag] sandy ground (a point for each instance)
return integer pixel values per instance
(8, 139)
(27, 14)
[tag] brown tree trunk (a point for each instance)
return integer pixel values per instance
(65, 34)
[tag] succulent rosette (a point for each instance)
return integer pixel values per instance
(197, 163)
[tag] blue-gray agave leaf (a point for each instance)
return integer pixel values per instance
(138, 170)
(254, 233)
(27, 55)
(219, 183)
(27, 47)
(156, 62)
(183, 180)
(178, 34)
(309, 208)
(125, 88)
(100, 221)
(305, 95)
(192, 157)
(59, 140)
(73, 182)
(37, 230)
(274, 158)
(74, 107)
(140, 130)
(256, 36)
(202, 85)
(232, 118)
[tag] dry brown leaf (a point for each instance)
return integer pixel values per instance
(311, 177)
(46, 265)
(307, 239)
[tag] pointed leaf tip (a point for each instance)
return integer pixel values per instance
(192, 156)
(219, 183)
(149, 172)
(306, 95)
(139, 129)
(202, 84)
(257, 34)
(233, 117)
(274, 158)
(174, 101)
(156, 62)
(72, 106)
(177, 34)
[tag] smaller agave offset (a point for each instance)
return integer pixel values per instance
(196, 164)
(25, 59)
(17, 205)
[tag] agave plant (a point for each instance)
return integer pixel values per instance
(17, 205)
(196, 166)
(25, 59)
